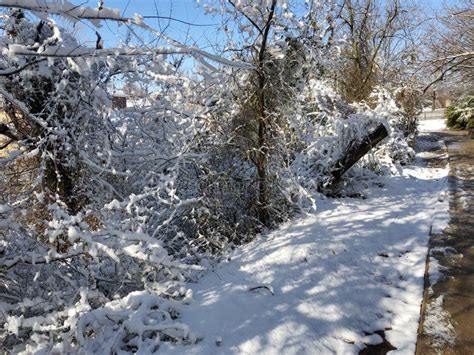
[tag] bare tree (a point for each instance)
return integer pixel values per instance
(451, 45)
(368, 27)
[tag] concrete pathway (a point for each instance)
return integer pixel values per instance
(449, 304)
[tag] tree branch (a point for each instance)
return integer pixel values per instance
(254, 24)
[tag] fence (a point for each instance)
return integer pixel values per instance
(431, 115)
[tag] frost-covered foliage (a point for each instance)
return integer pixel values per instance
(396, 150)
(92, 197)
(106, 212)
(53, 109)
(312, 130)
(55, 301)
(252, 122)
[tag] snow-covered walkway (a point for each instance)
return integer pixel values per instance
(325, 283)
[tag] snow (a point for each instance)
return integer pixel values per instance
(66, 9)
(347, 275)
(142, 316)
(441, 215)
(5, 209)
(432, 125)
(431, 149)
(326, 282)
(438, 324)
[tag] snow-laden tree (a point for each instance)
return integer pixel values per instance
(257, 134)
(380, 46)
(450, 46)
(94, 196)
(53, 108)
(259, 121)
(106, 212)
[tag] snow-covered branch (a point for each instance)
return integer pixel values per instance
(96, 15)
(65, 8)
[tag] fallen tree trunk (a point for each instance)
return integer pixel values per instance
(357, 150)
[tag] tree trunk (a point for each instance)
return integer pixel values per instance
(262, 157)
(262, 148)
(357, 150)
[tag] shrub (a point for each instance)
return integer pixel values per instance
(461, 114)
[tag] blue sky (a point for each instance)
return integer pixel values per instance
(185, 10)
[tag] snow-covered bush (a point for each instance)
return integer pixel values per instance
(410, 101)
(245, 140)
(93, 196)
(75, 297)
(461, 114)
(56, 110)
(397, 149)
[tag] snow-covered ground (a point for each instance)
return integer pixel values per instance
(438, 324)
(325, 283)
(432, 125)
(430, 146)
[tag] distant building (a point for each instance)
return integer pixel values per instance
(440, 98)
